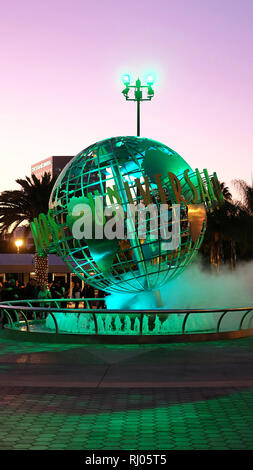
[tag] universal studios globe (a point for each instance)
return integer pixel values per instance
(123, 165)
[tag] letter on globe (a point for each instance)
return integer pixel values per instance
(160, 188)
(205, 196)
(174, 235)
(144, 193)
(116, 221)
(152, 221)
(192, 187)
(82, 227)
(176, 186)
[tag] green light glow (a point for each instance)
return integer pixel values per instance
(150, 79)
(116, 169)
(114, 163)
(126, 79)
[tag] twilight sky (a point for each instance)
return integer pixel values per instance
(61, 64)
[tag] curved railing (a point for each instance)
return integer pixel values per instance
(19, 313)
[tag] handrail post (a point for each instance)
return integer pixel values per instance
(34, 313)
(8, 316)
(184, 322)
(17, 317)
(26, 321)
(96, 322)
(242, 319)
(141, 324)
(221, 317)
(55, 322)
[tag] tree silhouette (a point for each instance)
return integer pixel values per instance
(229, 229)
(21, 206)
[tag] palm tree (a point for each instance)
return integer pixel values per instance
(246, 217)
(228, 233)
(21, 206)
(226, 192)
(246, 193)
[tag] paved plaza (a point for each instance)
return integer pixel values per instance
(177, 396)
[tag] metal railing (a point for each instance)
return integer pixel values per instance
(26, 311)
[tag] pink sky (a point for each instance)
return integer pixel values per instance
(61, 63)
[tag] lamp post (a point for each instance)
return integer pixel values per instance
(18, 244)
(138, 94)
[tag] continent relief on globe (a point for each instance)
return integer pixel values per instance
(127, 170)
(190, 190)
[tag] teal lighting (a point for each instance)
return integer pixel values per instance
(122, 265)
(150, 79)
(137, 94)
(126, 79)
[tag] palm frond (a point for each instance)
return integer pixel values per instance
(24, 204)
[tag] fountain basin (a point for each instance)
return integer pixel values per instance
(85, 325)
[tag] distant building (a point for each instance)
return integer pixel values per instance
(53, 165)
(22, 266)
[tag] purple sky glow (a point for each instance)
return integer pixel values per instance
(61, 64)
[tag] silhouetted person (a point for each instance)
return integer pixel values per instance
(77, 293)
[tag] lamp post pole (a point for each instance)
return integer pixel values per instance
(138, 96)
(138, 117)
(138, 87)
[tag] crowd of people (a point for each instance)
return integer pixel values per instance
(14, 290)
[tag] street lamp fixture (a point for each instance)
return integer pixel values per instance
(138, 93)
(126, 79)
(150, 79)
(18, 244)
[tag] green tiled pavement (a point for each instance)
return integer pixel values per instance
(51, 418)
(212, 410)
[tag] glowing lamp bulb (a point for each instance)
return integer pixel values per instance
(150, 79)
(126, 79)
(18, 243)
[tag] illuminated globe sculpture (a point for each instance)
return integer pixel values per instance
(126, 170)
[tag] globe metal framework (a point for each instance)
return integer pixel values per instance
(121, 166)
